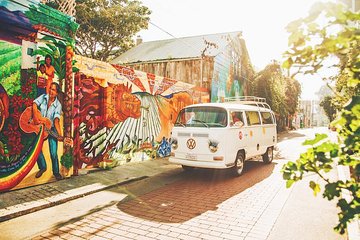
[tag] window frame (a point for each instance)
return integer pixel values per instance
(262, 118)
(248, 119)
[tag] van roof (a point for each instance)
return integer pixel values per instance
(231, 105)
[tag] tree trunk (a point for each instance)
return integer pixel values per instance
(67, 108)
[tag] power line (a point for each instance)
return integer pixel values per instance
(162, 29)
(173, 36)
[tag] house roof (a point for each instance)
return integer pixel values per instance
(177, 48)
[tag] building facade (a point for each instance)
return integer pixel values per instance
(218, 64)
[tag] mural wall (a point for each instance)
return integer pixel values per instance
(227, 80)
(119, 115)
(35, 58)
(123, 115)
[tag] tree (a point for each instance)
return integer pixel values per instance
(282, 93)
(328, 107)
(330, 34)
(270, 84)
(293, 92)
(107, 27)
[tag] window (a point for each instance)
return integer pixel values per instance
(266, 118)
(236, 118)
(204, 116)
(253, 118)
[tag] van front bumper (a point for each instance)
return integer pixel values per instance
(200, 164)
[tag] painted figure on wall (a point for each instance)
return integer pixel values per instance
(28, 30)
(46, 111)
(4, 106)
(124, 104)
(49, 70)
(45, 74)
(42, 78)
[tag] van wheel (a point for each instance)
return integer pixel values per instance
(187, 168)
(268, 156)
(239, 163)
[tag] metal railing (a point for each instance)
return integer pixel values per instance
(248, 100)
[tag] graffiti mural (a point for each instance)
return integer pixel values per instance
(226, 77)
(123, 115)
(32, 64)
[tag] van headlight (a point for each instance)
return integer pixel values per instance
(213, 145)
(174, 143)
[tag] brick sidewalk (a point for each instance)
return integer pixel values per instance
(179, 211)
(23, 201)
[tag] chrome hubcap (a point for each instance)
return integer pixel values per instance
(270, 154)
(239, 164)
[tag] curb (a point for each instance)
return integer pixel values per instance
(13, 211)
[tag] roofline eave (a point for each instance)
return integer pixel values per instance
(166, 59)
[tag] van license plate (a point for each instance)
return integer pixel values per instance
(190, 156)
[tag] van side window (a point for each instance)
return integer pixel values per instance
(266, 118)
(236, 119)
(252, 118)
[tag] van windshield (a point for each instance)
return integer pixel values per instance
(202, 116)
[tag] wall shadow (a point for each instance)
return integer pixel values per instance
(195, 193)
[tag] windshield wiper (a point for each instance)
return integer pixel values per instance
(204, 123)
(180, 123)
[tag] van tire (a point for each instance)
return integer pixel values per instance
(238, 168)
(268, 156)
(187, 168)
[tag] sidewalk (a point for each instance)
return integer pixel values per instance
(23, 201)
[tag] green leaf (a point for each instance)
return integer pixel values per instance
(353, 82)
(286, 175)
(287, 64)
(325, 147)
(315, 187)
(318, 138)
(289, 183)
(332, 190)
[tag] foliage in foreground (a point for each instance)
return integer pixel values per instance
(314, 43)
(324, 155)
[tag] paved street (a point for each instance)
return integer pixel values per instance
(205, 204)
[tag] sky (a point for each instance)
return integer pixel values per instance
(262, 23)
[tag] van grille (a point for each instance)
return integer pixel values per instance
(183, 134)
(206, 135)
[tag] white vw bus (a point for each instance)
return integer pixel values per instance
(224, 135)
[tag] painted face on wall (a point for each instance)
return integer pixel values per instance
(42, 69)
(48, 61)
(53, 91)
(126, 104)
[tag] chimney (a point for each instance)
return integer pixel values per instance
(138, 40)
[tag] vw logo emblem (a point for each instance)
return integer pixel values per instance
(191, 144)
